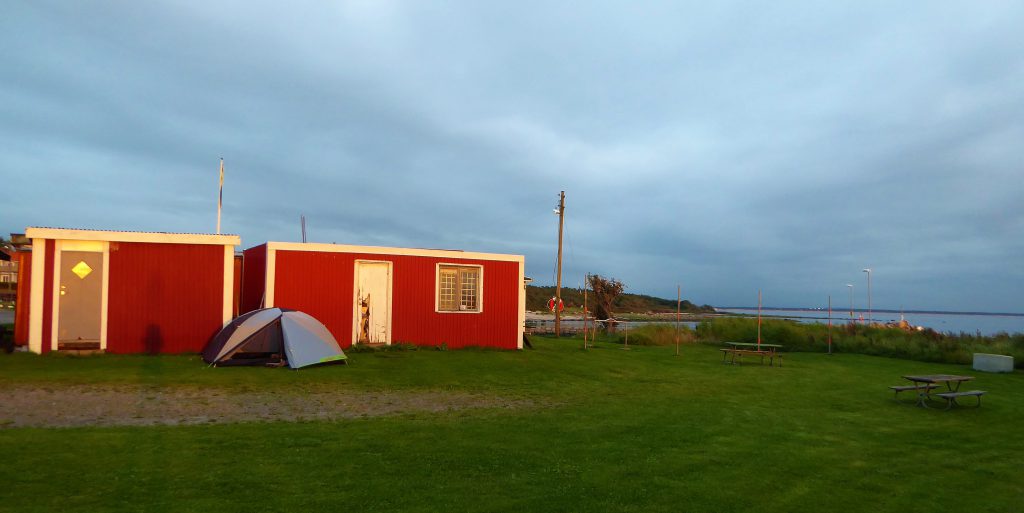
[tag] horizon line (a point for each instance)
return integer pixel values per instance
(862, 310)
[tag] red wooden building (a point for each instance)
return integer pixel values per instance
(378, 295)
(127, 292)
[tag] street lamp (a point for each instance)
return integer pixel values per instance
(869, 294)
(851, 301)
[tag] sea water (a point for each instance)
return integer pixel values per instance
(955, 323)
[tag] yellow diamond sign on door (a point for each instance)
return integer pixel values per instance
(82, 269)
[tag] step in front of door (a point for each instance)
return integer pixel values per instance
(79, 345)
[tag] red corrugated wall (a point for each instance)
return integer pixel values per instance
(24, 298)
(236, 296)
(164, 298)
(48, 297)
(320, 284)
(254, 273)
(415, 320)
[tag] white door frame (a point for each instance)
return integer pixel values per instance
(59, 246)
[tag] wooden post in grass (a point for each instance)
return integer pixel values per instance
(584, 318)
(679, 301)
(626, 328)
(830, 324)
(758, 320)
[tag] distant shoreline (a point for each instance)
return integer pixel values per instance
(630, 316)
(864, 310)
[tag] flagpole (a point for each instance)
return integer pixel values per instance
(220, 195)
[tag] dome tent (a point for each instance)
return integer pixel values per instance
(273, 336)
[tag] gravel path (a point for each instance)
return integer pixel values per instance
(109, 405)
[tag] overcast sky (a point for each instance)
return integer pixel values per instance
(724, 147)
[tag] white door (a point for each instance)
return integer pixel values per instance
(373, 303)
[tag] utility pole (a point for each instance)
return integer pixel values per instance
(558, 284)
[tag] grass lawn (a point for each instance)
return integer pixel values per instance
(638, 430)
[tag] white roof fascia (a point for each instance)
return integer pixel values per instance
(380, 250)
(116, 236)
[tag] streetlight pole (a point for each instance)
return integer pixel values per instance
(869, 294)
(851, 302)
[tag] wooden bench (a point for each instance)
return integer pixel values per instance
(750, 352)
(950, 397)
(898, 389)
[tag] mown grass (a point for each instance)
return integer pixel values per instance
(637, 430)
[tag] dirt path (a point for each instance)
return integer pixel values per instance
(107, 405)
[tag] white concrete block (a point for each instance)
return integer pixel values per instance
(993, 362)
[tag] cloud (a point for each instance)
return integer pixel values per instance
(728, 147)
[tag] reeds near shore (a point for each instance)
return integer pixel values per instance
(926, 346)
(657, 334)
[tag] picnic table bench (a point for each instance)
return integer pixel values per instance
(740, 349)
(950, 397)
(903, 388)
(924, 385)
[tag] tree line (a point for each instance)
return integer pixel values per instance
(537, 298)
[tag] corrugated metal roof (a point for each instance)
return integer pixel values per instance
(126, 231)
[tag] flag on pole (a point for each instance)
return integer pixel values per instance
(220, 195)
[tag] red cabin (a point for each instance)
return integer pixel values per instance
(376, 295)
(128, 292)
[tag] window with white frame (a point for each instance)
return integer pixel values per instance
(458, 288)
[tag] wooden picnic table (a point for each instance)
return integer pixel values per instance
(739, 349)
(925, 384)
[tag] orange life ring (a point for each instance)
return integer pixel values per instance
(551, 305)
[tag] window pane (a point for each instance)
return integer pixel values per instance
(447, 279)
(468, 299)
